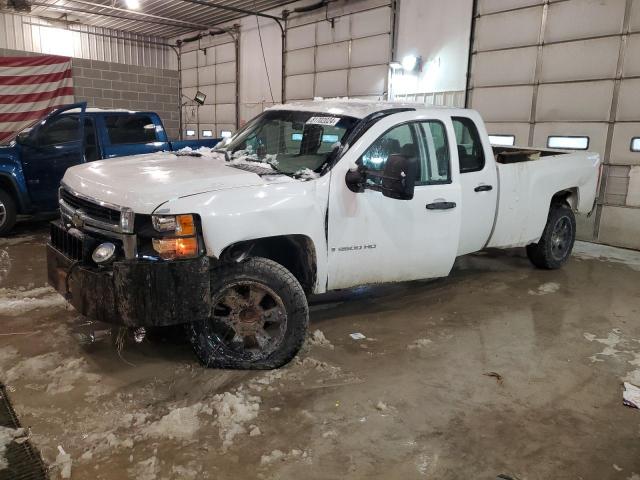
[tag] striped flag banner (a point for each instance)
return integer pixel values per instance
(30, 87)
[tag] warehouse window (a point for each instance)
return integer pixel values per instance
(207, 133)
(635, 144)
(470, 150)
(123, 129)
(568, 142)
(502, 140)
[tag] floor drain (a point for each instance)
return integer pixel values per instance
(23, 460)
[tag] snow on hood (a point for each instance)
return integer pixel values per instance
(143, 182)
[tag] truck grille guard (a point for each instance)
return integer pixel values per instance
(88, 214)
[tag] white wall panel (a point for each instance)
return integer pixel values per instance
(301, 37)
(206, 56)
(507, 67)
(332, 57)
(505, 30)
(372, 22)
(226, 93)
(189, 60)
(207, 75)
(581, 60)
(367, 80)
(331, 84)
(189, 77)
(370, 51)
(634, 23)
(226, 72)
(576, 19)
(503, 104)
(629, 100)
(225, 53)
(632, 56)
(225, 113)
(492, 6)
(207, 114)
(300, 61)
(585, 101)
(340, 32)
(299, 86)
(621, 153)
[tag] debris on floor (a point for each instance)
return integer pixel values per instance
(495, 375)
(545, 288)
(279, 455)
(318, 338)
(357, 336)
(420, 343)
(631, 395)
(63, 461)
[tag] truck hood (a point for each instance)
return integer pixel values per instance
(143, 182)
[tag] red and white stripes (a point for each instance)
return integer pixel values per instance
(30, 87)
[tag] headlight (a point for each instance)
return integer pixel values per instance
(182, 243)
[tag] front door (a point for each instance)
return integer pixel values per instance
(373, 238)
(54, 146)
(479, 184)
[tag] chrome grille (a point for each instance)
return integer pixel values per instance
(91, 209)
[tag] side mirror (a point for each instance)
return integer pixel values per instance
(356, 179)
(399, 177)
(23, 138)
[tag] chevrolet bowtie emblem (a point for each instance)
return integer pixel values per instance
(76, 220)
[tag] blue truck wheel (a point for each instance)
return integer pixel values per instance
(7, 212)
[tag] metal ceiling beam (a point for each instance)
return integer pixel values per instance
(234, 9)
(142, 14)
(155, 20)
(67, 9)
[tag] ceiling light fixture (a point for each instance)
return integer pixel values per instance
(132, 4)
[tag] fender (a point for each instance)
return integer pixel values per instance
(12, 179)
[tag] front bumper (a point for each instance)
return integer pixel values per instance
(135, 293)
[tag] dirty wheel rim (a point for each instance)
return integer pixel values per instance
(3, 214)
(561, 238)
(249, 318)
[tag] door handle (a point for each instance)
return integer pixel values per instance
(441, 205)
(483, 188)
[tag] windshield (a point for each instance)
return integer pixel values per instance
(290, 141)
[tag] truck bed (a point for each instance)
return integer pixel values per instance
(528, 179)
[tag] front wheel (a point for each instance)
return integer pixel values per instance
(259, 317)
(559, 235)
(7, 212)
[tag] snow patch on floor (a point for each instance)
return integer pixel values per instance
(146, 469)
(317, 338)
(616, 344)
(234, 411)
(180, 423)
(8, 435)
(280, 456)
(14, 302)
(545, 288)
(586, 250)
(420, 343)
(11, 241)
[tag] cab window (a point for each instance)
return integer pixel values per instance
(400, 140)
(126, 129)
(59, 130)
(470, 149)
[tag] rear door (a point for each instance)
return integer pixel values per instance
(54, 146)
(478, 182)
(131, 134)
(373, 238)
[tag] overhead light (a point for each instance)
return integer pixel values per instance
(200, 97)
(395, 65)
(410, 63)
(132, 4)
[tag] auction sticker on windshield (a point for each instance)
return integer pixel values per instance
(332, 121)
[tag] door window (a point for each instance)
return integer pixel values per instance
(427, 141)
(59, 130)
(470, 149)
(127, 129)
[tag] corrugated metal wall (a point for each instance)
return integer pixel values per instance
(20, 32)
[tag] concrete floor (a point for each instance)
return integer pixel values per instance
(415, 399)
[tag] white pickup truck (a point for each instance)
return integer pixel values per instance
(307, 197)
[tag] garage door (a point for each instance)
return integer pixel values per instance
(211, 69)
(341, 52)
(566, 74)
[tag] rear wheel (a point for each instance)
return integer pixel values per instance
(7, 212)
(554, 247)
(259, 317)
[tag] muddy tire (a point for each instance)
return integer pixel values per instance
(7, 213)
(554, 247)
(259, 317)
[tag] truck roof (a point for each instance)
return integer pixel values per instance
(353, 107)
(104, 110)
